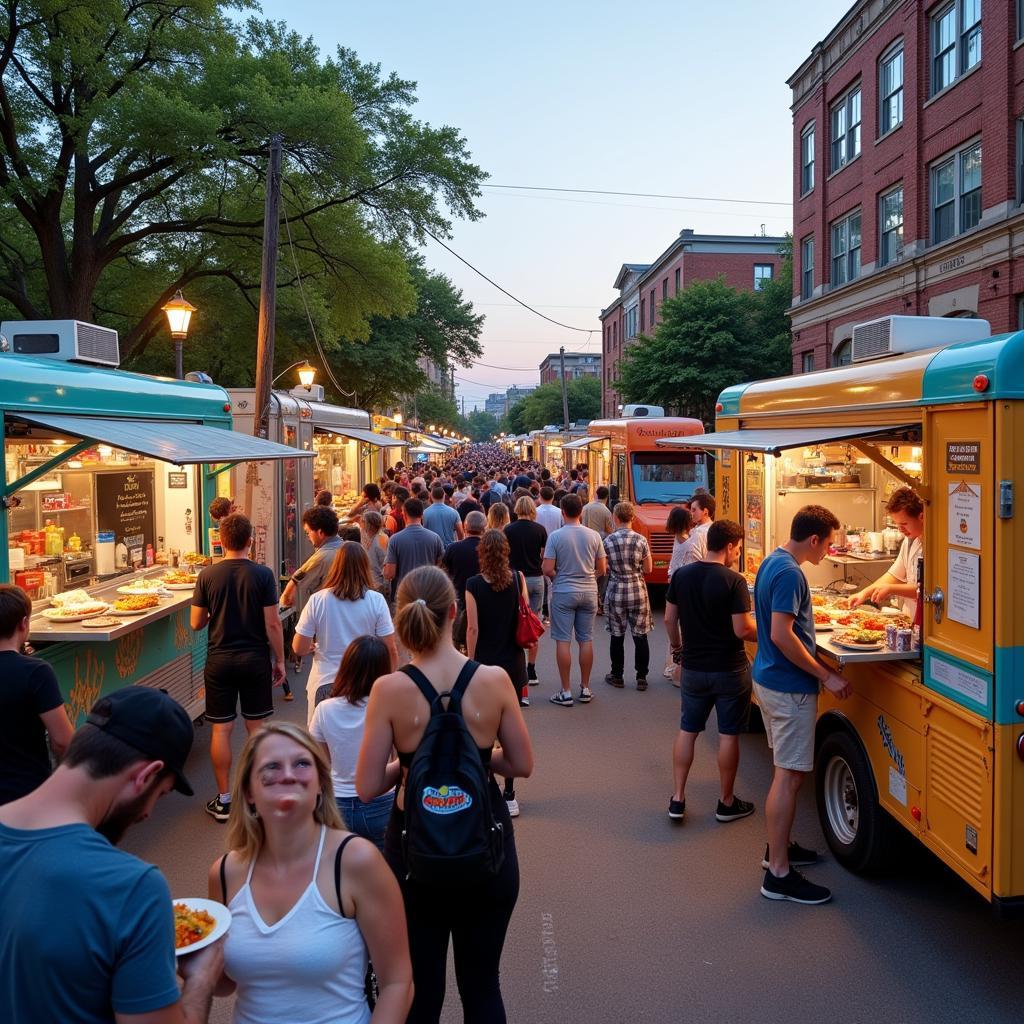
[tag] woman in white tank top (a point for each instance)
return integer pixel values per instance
(309, 901)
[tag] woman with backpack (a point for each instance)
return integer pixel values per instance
(467, 895)
(492, 613)
(308, 900)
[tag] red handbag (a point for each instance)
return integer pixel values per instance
(529, 628)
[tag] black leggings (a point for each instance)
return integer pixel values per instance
(475, 918)
(641, 651)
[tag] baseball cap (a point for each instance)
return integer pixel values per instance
(151, 722)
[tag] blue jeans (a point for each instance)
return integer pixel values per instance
(367, 820)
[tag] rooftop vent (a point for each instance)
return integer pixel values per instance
(71, 341)
(642, 410)
(892, 335)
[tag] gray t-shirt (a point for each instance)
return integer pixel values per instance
(310, 576)
(576, 551)
(597, 517)
(442, 520)
(410, 548)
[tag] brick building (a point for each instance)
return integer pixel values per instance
(577, 364)
(907, 145)
(744, 261)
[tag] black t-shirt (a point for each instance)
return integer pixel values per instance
(466, 506)
(461, 561)
(235, 592)
(28, 689)
(707, 595)
(526, 540)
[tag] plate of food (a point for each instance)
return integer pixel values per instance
(198, 923)
(822, 621)
(102, 622)
(195, 559)
(860, 640)
(179, 579)
(76, 612)
(142, 587)
(135, 604)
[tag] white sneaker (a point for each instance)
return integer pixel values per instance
(585, 695)
(513, 807)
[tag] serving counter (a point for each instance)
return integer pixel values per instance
(844, 656)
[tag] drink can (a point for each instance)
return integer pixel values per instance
(891, 630)
(904, 640)
(915, 641)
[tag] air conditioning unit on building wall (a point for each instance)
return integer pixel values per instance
(71, 341)
(892, 335)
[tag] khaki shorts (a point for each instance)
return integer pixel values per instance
(789, 720)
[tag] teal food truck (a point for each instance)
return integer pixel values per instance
(108, 476)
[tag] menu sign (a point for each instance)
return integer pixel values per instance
(124, 504)
(963, 457)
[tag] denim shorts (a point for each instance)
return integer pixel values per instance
(367, 820)
(535, 592)
(573, 612)
(728, 693)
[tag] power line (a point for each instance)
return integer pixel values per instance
(641, 195)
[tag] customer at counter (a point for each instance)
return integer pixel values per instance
(906, 509)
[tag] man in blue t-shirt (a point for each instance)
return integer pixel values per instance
(442, 519)
(88, 930)
(787, 677)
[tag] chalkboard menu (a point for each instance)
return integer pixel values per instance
(124, 504)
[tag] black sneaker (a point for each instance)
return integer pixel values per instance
(217, 810)
(613, 680)
(736, 810)
(641, 683)
(794, 887)
(677, 809)
(799, 857)
(531, 674)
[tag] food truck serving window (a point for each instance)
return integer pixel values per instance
(666, 477)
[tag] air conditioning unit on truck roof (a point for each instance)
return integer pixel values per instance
(642, 410)
(892, 335)
(70, 341)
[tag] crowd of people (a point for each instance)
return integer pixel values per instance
(410, 608)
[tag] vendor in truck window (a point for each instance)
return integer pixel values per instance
(906, 509)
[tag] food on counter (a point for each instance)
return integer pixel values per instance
(136, 602)
(76, 612)
(142, 587)
(72, 598)
(194, 558)
(822, 618)
(102, 622)
(179, 577)
(862, 637)
(190, 926)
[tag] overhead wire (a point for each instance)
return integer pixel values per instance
(640, 195)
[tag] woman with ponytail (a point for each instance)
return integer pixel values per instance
(475, 918)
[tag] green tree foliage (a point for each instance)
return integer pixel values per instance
(133, 147)
(544, 406)
(482, 425)
(708, 338)
(433, 407)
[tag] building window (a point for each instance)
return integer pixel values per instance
(762, 273)
(806, 160)
(664, 289)
(956, 193)
(807, 362)
(807, 268)
(1020, 20)
(653, 307)
(956, 41)
(890, 90)
(678, 277)
(1020, 312)
(631, 322)
(890, 216)
(846, 249)
(643, 314)
(846, 129)
(1020, 152)
(843, 354)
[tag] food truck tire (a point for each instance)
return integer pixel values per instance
(857, 829)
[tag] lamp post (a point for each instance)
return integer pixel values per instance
(307, 373)
(179, 312)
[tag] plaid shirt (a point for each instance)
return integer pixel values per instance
(626, 603)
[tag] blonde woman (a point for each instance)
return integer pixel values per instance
(307, 898)
(498, 516)
(474, 919)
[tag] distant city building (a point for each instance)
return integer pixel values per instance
(495, 404)
(744, 261)
(498, 403)
(577, 364)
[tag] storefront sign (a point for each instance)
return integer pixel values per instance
(963, 457)
(177, 480)
(124, 504)
(965, 515)
(964, 601)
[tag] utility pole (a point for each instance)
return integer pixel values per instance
(565, 393)
(268, 291)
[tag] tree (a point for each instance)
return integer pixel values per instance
(482, 425)
(708, 338)
(433, 407)
(544, 406)
(133, 143)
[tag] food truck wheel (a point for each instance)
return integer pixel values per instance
(855, 826)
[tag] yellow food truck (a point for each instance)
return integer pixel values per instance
(933, 738)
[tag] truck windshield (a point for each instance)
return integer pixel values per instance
(667, 478)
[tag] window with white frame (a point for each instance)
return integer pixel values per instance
(807, 268)
(631, 321)
(845, 122)
(955, 31)
(807, 362)
(956, 193)
(846, 249)
(890, 225)
(890, 90)
(807, 159)
(762, 273)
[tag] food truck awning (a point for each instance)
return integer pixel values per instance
(583, 442)
(181, 444)
(772, 442)
(369, 437)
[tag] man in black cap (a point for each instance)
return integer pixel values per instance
(88, 931)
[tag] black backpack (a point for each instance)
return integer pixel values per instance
(451, 833)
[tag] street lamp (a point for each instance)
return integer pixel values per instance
(179, 311)
(307, 374)
(398, 418)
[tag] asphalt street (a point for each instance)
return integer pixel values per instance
(624, 916)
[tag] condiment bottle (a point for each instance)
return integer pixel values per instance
(74, 543)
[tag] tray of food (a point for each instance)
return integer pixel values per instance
(179, 579)
(135, 604)
(823, 621)
(860, 639)
(103, 622)
(76, 612)
(198, 923)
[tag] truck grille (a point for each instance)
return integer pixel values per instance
(661, 543)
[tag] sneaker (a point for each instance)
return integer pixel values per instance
(513, 807)
(668, 670)
(585, 696)
(799, 857)
(613, 680)
(794, 887)
(563, 700)
(217, 810)
(677, 809)
(289, 695)
(531, 674)
(641, 682)
(524, 702)
(736, 810)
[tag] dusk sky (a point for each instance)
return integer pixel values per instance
(680, 99)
